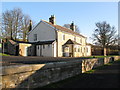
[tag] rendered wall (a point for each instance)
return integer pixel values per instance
(79, 39)
(44, 33)
(23, 49)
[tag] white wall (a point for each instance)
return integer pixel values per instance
(54, 49)
(46, 51)
(89, 50)
(44, 33)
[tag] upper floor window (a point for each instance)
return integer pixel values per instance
(80, 40)
(35, 37)
(63, 36)
(74, 38)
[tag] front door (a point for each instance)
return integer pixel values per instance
(39, 50)
(66, 51)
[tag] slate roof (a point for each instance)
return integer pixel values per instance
(63, 29)
(14, 42)
(36, 43)
(71, 42)
(44, 42)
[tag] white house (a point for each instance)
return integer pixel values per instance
(53, 40)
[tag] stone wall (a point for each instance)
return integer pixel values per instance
(37, 75)
(89, 64)
(32, 76)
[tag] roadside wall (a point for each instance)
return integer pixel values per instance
(32, 76)
(37, 75)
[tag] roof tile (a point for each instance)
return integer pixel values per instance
(63, 29)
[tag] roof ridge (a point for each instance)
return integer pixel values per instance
(66, 29)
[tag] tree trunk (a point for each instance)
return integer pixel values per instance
(105, 50)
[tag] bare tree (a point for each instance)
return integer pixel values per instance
(76, 27)
(17, 16)
(25, 26)
(104, 35)
(15, 24)
(7, 24)
(11, 23)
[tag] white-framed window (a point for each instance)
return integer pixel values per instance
(74, 38)
(35, 37)
(63, 36)
(86, 49)
(81, 49)
(80, 40)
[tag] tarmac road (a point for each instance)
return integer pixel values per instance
(14, 60)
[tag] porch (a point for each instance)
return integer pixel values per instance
(69, 48)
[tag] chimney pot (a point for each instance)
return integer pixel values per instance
(52, 19)
(30, 25)
(72, 26)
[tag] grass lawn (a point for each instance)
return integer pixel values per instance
(1, 54)
(100, 56)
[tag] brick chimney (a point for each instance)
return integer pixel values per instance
(72, 26)
(52, 19)
(30, 25)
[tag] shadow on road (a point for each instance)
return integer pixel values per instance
(107, 76)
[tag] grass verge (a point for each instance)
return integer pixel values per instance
(1, 54)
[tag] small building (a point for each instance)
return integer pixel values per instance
(54, 40)
(17, 48)
(45, 48)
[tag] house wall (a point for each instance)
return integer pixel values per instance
(23, 49)
(45, 50)
(88, 51)
(79, 39)
(44, 33)
(54, 49)
(11, 48)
